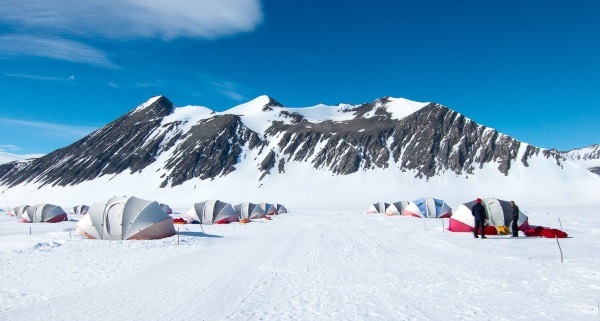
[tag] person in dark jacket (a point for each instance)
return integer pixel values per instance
(480, 216)
(515, 219)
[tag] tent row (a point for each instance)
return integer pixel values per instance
(39, 213)
(461, 219)
(131, 218)
(426, 207)
(218, 212)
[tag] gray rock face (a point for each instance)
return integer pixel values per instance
(432, 140)
(209, 149)
(429, 142)
(586, 156)
(122, 145)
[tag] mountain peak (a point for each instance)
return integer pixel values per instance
(160, 105)
(256, 105)
(399, 107)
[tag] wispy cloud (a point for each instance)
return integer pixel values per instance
(128, 19)
(39, 77)
(7, 154)
(228, 89)
(55, 48)
(50, 129)
(9, 157)
(4, 148)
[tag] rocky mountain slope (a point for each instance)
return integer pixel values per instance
(390, 149)
(588, 157)
(431, 140)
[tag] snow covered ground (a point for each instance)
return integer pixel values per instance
(304, 266)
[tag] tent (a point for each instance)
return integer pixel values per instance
(268, 208)
(378, 208)
(80, 209)
(18, 211)
(396, 208)
(499, 214)
(428, 207)
(280, 208)
(126, 218)
(213, 212)
(44, 213)
(249, 211)
(166, 208)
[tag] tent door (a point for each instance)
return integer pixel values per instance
(114, 221)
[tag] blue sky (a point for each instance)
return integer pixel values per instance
(528, 68)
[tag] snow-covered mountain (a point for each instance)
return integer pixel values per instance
(389, 149)
(588, 157)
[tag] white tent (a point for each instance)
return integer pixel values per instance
(378, 208)
(249, 211)
(268, 208)
(428, 207)
(499, 214)
(18, 211)
(126, 218)
(80, 209)
(44, 213)
(213, 212)
(396, 208)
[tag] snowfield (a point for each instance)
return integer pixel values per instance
(304, 265)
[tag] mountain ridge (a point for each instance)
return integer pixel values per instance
(262, 143)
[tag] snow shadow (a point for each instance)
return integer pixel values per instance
(199, 234)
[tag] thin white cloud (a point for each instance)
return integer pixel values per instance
(38, 77)
(4, 148)
(9, 157)
(127, 19)
(228, 89)
(60, 49)
(50, 129)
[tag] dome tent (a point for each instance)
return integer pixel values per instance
(428, 207)
(80, 209)
(280, 208)
(166, 208)
(249, 211)
(44, 213)
(378, 208)
(213, 212)
(396, 208)
(268, 208)
(499, 214)
(126, 218)
(18, 211)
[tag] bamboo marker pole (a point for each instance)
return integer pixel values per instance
(559, 222)
(561, 253)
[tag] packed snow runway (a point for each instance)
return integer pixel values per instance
(303, 265)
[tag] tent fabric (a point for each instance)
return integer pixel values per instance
(280, 208)
(209, 212)
(378, 208)
(80, 209)
(396, 208)
(19, 210)
(166, 208)
(47, 213)
(126, 218)
(268, 208)
(428, 207)
(499, 214)
(249, 211)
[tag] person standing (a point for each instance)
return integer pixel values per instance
(515, 219)
(480, 216)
